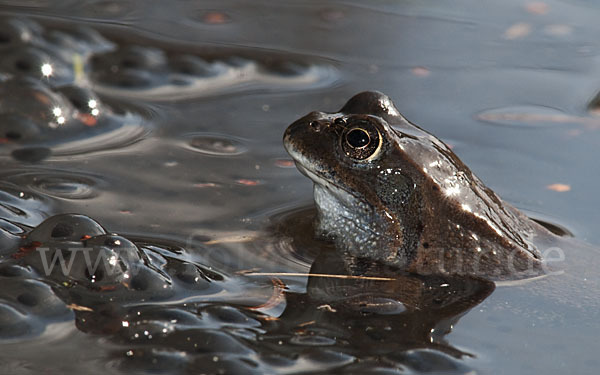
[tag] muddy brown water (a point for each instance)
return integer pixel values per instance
(168, 136)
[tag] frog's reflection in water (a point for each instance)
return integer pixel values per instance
(375, 312)
(373, 317)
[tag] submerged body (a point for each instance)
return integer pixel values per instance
(389, 192)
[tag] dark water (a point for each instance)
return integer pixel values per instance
(168, 136)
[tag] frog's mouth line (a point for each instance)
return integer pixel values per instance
(318, 178)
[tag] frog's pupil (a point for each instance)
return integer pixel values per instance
(358, 138)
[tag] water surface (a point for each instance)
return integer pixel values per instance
(169, 134)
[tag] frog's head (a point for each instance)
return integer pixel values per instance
(349, 148)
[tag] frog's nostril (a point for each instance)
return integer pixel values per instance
(340, 121)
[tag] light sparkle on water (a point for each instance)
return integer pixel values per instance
(47, 70)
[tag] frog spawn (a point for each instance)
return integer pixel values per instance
(31, 50)
(76, 252)
(195, 336)
(27, 306)
(73, 249)
(113, 299)
(70, 265)
(19, 209)
(51, 77)
(133, 294)
(47, 107)
(142, 72)
(64, 120)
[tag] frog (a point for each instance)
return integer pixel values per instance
(388, 192)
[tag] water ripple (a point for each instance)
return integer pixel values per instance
(21, 206)
(215, 144)
(60, 184)
(529, 116)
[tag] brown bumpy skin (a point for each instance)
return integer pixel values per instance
(388, 191)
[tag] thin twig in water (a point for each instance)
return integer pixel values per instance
(319, 275)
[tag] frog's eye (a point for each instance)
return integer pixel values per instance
(358, 138)
(361, 140)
